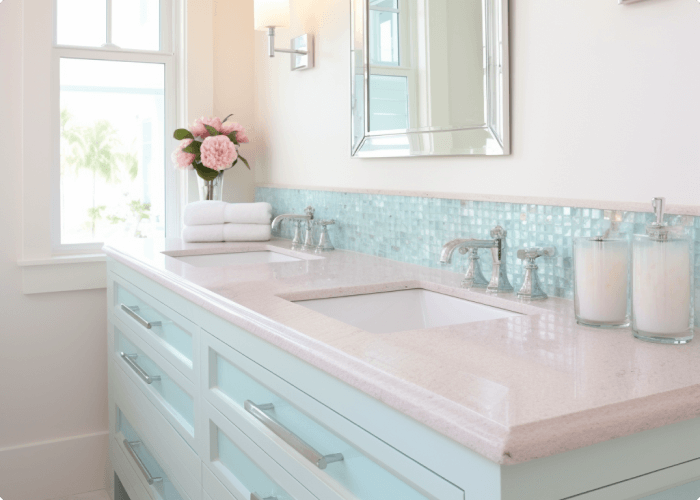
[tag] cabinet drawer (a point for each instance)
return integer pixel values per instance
(242, 467)
(167, 388)
(132, 413)
(127, 475)
(153, 477)
(170, 334)
(306, 437)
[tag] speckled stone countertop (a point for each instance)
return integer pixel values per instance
(511, 389)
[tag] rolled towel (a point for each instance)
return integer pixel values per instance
(201, 213)
(226, 232)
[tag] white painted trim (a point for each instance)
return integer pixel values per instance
(63, 259)
(63, 276)
(56, 468)
(40, 173)
(626, 206)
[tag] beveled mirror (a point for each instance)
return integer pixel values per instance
(430, 78)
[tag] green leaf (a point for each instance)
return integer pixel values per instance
(244, 161)
(212, 131)
(193, 148)
(233, 138)
(182, 133)
(205, 173)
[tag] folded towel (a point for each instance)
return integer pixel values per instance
(226, 232)
(200, 213)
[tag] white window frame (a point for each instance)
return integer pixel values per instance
(168, 56)
(407, 65)
(46, 266)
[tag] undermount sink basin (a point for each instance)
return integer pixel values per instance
(402, 310)
(234, 259)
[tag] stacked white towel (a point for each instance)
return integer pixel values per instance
(210, 221)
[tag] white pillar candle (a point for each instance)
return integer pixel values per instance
(661, 278)
(601, 290)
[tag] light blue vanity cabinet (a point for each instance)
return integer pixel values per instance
(201, 409)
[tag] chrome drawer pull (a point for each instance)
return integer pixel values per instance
(320, 461)
(130, 360)
(131, 311)
(129, 447)
(255, 496)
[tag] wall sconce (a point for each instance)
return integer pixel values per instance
(271, 14)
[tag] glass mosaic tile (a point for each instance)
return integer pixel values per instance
(414, 229)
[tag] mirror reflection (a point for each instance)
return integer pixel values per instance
(429, 67)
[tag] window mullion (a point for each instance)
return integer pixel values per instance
(109, 23)
(114, 55)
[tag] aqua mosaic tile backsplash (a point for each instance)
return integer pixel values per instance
(413, 229)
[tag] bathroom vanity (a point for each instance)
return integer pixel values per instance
(253, 372)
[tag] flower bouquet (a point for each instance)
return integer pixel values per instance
(210, 147)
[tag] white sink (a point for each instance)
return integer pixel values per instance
(415, 309)
(235, 259)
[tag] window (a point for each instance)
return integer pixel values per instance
(391, 82)
(384, 32)
(114, 113)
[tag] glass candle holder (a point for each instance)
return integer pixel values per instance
(601, 281)
(662, 280)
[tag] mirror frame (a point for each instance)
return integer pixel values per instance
(489, 138)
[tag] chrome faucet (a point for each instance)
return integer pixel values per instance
(532, 288)
(474, 278)
(308, 216)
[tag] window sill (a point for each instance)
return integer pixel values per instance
(64, 273)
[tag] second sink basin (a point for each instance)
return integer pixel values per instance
(232, 259)
(402, 310)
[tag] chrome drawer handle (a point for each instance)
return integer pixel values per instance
(129, 447)
(255, 496)
(131, 311)
(130, 360)
(320, 461)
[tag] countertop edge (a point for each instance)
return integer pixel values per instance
(498, 443)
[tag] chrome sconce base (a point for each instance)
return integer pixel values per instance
(302, 50)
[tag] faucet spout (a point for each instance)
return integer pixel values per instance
(308, 216)
(473, 278)
(449, 248)
(278, 220)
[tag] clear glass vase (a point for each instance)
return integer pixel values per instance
(211, 190)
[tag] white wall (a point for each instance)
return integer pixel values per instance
(220, 78)
(53, 347)
(234, 85)
(605, 106)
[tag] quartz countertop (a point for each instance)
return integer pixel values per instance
(511, 389)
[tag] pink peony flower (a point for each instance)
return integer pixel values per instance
(198, 127)
(180, 158)
(218, 152)
(228, 127)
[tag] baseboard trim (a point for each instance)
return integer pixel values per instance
(56, 468)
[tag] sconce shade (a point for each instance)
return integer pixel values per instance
(271, 13)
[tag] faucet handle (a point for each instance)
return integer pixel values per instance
(498, 232)
(532, 288)
(309, 211)
(324, 240)
(535, 252)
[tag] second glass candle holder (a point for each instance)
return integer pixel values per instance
(601, 281)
